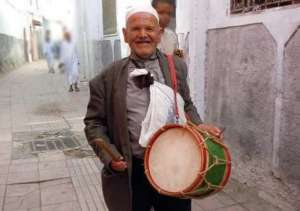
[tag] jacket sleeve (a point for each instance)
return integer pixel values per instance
(96, 120)
(189, 106)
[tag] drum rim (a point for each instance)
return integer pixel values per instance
(202, 151)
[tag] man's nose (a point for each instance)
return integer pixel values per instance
(142, 33)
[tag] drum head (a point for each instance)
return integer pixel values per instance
(175, 160)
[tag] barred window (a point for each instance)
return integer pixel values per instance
(243, 6)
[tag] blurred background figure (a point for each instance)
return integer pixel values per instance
(48, 51)
(69, 61)
(169, 40)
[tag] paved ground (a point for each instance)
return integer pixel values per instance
(44, 161)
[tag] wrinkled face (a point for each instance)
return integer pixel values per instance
(165, 11)
(142, 33)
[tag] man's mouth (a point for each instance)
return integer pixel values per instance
(143, 42)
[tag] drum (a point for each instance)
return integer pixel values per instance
(185, 162)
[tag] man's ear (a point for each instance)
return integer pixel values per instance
(125, 34)
(161, 31)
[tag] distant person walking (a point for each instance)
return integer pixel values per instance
(69, 61)
(48, 51)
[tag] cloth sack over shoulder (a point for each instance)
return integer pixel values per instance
(161, 109)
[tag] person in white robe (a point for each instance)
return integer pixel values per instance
(169, 42)
(48, 51)
(69, 61)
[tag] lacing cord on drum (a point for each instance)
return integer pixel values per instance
(208, 135)
(209, 185)
(216, 161)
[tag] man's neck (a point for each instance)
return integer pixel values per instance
(138, 58)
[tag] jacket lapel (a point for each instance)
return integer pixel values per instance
(119, 103)
(120, 114)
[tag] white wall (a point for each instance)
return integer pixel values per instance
(88, 32)
(219, 16)
(199, 16)
(192, 16)
(183, 22)
(12, 19)
(94, 19)
(281, 22)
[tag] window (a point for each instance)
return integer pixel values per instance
(243, 6)
(109, 17)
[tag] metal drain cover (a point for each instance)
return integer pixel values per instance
(29, 144)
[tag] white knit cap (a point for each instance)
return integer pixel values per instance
(147, 8)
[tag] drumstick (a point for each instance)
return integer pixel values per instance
(106, 148)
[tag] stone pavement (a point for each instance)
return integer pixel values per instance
(45, 163)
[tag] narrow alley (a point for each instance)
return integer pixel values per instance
(45, 162)
(237, 68)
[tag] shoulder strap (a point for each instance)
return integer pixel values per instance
(172, 71)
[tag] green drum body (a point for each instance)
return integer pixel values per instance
(184, 161)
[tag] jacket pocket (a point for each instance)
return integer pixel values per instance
(115, 187)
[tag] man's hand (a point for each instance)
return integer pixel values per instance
(98, 145)
(119, 166)
(214, 131)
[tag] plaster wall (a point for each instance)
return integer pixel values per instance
(281, 23)
(239, 91)
(289, 156)
(247, 67)
(13, 22)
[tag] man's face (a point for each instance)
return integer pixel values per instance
(142, 33)
(165, 11)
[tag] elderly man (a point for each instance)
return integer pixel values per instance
(116, 110)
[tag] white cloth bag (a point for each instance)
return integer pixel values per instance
(161, 111)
